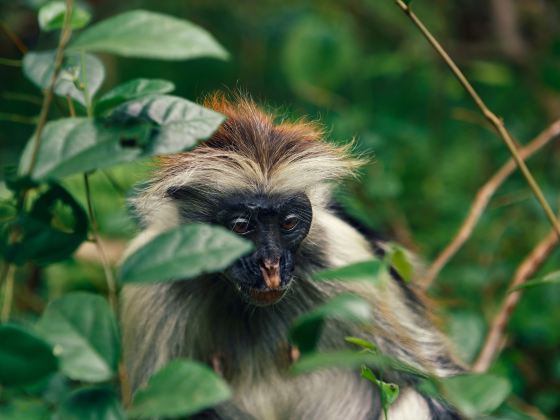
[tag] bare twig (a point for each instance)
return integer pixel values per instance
(14, 38)
(490, 116)
(495, 338)
(47, 99)
(482, 199)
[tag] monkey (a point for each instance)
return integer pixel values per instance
(271, 181)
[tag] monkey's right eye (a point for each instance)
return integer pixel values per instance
(240, 226)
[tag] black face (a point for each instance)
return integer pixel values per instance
(275, 224)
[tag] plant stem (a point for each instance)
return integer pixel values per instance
(111, 285)
(8, 279)
(59, 57)
(490, 116)
(10, 62)
(22, 119)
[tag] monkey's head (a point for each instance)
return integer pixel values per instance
(261, 180)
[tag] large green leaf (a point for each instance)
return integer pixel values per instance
(83, 330)
(25, 358)
(51, 16)
(140, 33)
(73, 77)
(475, 394)
(181, 388)
(306, 330)
(132, 89)
(51, 231)
(360, 271)
(182, 253)
(75, 145)
(182, 123)
(24, 409)
(95, 403)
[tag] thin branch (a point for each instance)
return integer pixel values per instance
(482, 199)
(495, 338)
(111, 285)
(490, 116)
(8, 274)
(10, 62)
(21, 119)
(14, 38)
(47, 99)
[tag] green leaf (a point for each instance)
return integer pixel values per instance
(24, 409)
(39, 67)
(550, 278)
(25, 358)
(76, 145)
(95, 403)
(182, 253)
(306, 330)
(52, 230)
(51, 16)
(132, 89)
(182, 123)
(140, 33)
(350, 359)
(360, 271)
(83, 331)
(400, 262)
(181, 388)
(389, 394)
(475, 394)
(367, 345)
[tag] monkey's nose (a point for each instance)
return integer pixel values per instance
(270, 269)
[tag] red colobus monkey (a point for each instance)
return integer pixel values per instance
(271, 183)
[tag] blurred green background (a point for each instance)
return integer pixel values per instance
(365, 72)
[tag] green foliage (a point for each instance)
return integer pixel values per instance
(401, 263)
(78, 73)
(550, 278)
(180, 388)
(51, 16)
(92, 403)
(132, 89)
(306, 330)
(83, 331)
(360, 271)
(389, 392)
(140, 33)
(24, 357)
(51, 231)
(183, 253)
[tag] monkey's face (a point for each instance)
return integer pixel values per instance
(276, 225)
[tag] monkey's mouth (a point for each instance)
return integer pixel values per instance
(267, 296)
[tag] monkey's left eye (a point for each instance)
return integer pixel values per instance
(289, 223)
(240, 226)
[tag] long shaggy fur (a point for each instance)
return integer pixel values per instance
(205, 319)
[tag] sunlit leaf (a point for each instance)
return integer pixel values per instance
(400, 262)
(181, 388)
(51, 231)
(475, 394)
(181, 123)
(184, 252)
(361, 343)
(25, 358)
(550, 278)
(360, 271)
(83, 331)
(72, 79)
(140, 33)
(94, 403)
(306, 330)
(51, 16)
(132, 89)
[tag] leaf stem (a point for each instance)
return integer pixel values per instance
(490, 116)
(8, 279)
(49, 93)
(10, 62)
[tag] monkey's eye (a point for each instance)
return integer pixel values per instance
(240, 226)
(289, 223)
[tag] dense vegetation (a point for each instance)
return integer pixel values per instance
(360, 67)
